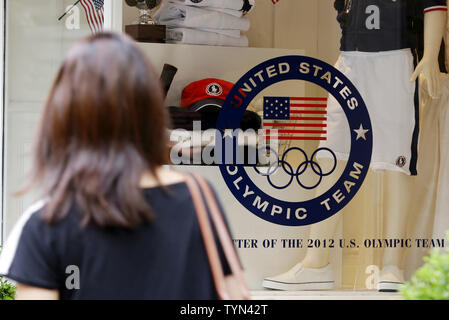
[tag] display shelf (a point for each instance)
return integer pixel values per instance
(195, 62)
(325, 295)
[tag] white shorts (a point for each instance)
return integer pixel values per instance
(383, 80)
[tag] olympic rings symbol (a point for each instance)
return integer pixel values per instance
(299, 172)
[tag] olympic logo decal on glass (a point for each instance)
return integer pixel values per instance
(264, 203)
(300, 169)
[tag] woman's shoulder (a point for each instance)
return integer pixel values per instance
(31, 217)
(29, 225)
(166, 177)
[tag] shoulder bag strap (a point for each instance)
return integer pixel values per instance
(224, 236)
(208, 238)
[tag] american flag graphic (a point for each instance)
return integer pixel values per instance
(94, 13)
(295, 118)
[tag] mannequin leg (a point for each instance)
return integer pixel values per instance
(396, 188)
(319, 257)
(396, 200)
(314, 271)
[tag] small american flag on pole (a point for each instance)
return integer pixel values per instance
(94, 13)
(295, 118)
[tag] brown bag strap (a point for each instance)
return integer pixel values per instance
(224, 236)
(208, 239)
(196, 184)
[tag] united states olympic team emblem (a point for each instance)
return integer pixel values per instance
(290, 213)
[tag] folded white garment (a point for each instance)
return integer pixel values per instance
(240, 5)
(237, 13)
(227, 32)
(178, 15)
(194, 36)
(234, 13)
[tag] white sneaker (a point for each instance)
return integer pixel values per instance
(299, 279)
(391, 277)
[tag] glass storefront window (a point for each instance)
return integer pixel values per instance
(35, 45)
(343, 63)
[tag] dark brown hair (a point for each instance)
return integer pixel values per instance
(103, 126)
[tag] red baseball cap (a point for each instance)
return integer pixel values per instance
(206, 95)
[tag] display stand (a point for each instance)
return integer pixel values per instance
(147, 33)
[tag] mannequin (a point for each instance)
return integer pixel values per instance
(428, 67)
(432, 189)
(314, 272)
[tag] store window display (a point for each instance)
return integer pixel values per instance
(379, 55)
